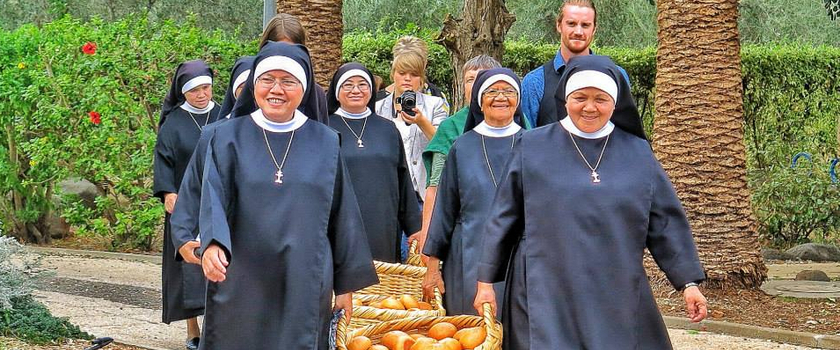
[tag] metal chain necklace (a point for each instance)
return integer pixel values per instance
(359, 142)
(278, 176)
(596, 178)
(196, 122)
(487, 159)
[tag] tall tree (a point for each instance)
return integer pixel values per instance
(480, 30)
(324, 30)
(699, 138)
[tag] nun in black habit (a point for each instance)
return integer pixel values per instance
(373, 151)
(279, 223)
(474, 166)
(569, 226)
(184, 219)
(186, 110)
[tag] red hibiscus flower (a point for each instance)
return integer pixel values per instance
(95, 118)
(89, 48)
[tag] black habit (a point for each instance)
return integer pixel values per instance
(290, 245)
(183, 284)
(378, 172)
(576, 279)
(463, 200)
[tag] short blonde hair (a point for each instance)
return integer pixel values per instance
(411, 44)
(410, 62)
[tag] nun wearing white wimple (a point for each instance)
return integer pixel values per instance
(373, 150)
(186, 110)
(569, 225)
(474, 167)
(280, 227)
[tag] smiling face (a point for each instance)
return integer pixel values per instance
(498, 103)
(199, 96)
(278, 94)
(577, 28)
(354, 94)
(590, 108)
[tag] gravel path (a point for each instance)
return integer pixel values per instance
(120, 299)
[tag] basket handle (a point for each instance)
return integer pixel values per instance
(341, 334)
(413, 255)
(490, 323)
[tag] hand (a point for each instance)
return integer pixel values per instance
(417, 118)
(344, 301)
(431, 280)
(214, 263)
(695, 304)
(420, 237)
(187, 252)
(169, 202)
(484, 294)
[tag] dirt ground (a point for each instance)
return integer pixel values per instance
(14, 344)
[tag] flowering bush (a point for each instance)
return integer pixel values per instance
(82, 100)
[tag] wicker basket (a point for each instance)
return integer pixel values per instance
(422, 325)
(395, 280)
(414, 256)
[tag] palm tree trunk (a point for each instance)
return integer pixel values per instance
(699, 136)
(324, 30)
(481, 30)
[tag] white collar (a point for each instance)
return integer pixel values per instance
(189, 108)
(297, 121)
(349, 115)
(570, 126)
(491, 131)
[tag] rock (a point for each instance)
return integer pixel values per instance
(775, 254)
(82, 188)
(812, 275)
(815, 252)
(59, 228)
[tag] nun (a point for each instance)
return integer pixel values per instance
(568, 227)
(186, 110)
(373, 151)
(184, 221)
(473, 170)
(281, 231)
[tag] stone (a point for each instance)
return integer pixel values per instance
(815, 252)
(812, 275)
(775, 254)
(82, 188)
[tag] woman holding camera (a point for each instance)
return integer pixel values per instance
(415, 114)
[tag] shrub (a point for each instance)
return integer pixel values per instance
(20, 271)
(31, 321)
(71, 113)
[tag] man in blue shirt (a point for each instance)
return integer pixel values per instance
(576, 23)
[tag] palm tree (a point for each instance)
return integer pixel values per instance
(698, 134)
(324, 29)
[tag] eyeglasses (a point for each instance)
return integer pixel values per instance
(492, 93)
(285, 84)
(349, 87)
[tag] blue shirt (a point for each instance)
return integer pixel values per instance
(533, 88)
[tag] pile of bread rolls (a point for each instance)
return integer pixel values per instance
(405, 302)
(442, 336)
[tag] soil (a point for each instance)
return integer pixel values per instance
(756, 308)
(15, 344)
(101, 243)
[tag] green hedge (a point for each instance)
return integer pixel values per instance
(48, 87)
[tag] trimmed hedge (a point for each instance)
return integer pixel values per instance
(48, 87)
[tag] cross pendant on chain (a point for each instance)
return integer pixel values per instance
(360, 143)
(595, 177)
(278, 176)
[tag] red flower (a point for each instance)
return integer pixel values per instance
(89, 48)
(94, 118)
